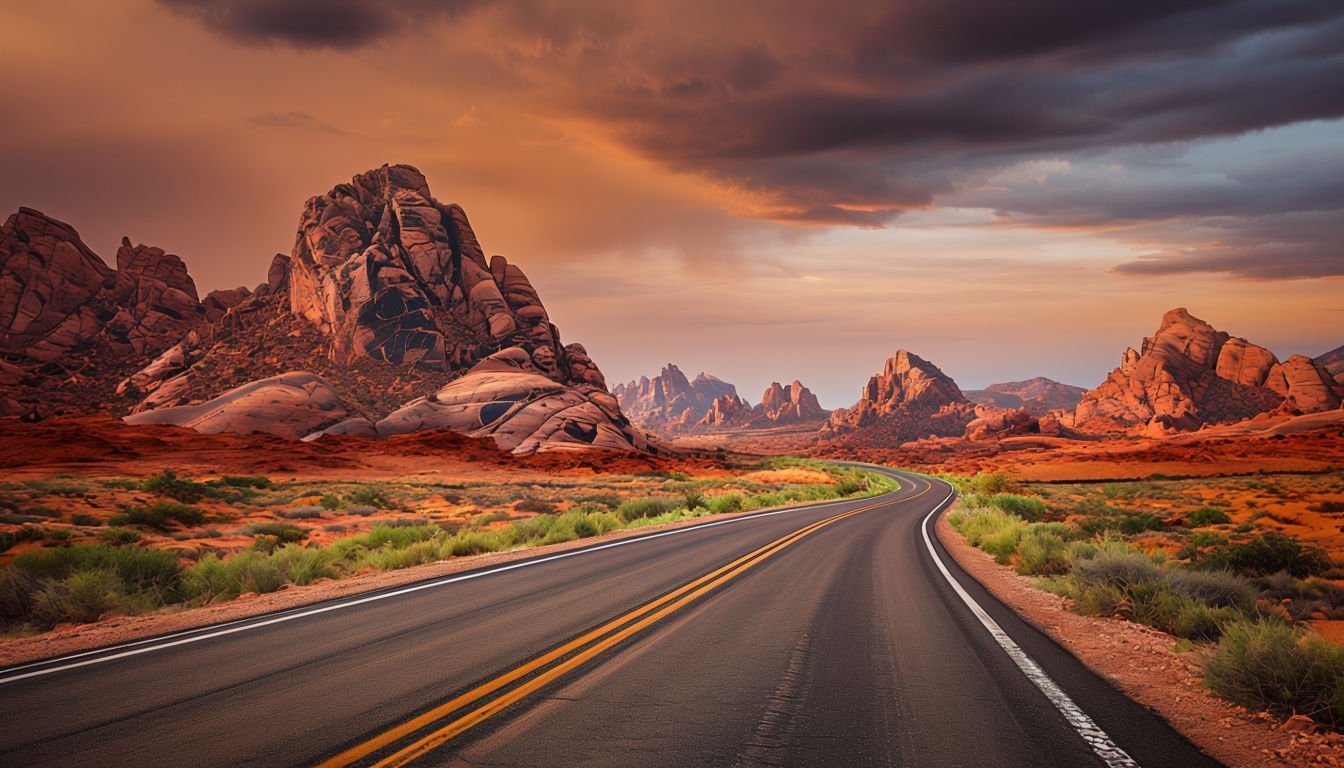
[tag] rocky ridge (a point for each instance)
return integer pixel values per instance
(909, 400)
(669, 402)
(1038, 396)
(779, 405)
(387, 295)
(1189, 374)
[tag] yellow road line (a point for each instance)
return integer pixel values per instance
(613, 632)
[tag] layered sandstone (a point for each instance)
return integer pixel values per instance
(1190, 374)
(909, 400)
(780, 405)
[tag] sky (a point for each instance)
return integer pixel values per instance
(765, 190)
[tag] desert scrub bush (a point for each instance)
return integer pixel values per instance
(1206, 516)
(1121, 569)
(535, 506)
(1266, 664)
(608, 500)
(1028, 508)
(331, 501)
(281, 533)
(978, 523)
(992, 483)
(648, 506)
(1042, 550)
(1002, 542)
(158, 514)
(1217, 589)
(303, 512)
(360, 510)
(371, 494)
(85, 519)
(167, 483)
(1268, 553)
(82, 582)
(118, 536)
(724, 503)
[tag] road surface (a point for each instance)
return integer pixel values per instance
(819, 636)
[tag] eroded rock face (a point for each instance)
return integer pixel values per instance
(54, 291)
(507, 398)
(669, 402)
(156, 298)
(909, 400)
(1189, 374)
(1333, 363)
(388, 273)
(1038, 396)
(291, 406)
(779, 405)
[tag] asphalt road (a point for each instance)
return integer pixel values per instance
(762, 641)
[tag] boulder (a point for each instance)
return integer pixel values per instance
(290, 405)
(506, 397)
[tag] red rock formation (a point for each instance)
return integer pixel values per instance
(55, 290)
(1189, 374)
(1038, 396)
(1333, 363)
(669, 402)
(726, 411)
(911, 399)
(291, 406)
(779, 405)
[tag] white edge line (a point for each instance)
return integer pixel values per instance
(1096, 738)
(189, 636)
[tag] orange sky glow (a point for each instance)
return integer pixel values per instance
(761, 190)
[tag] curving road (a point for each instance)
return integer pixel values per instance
(825, 635)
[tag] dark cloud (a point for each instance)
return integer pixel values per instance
(304, 24)
(295, 119)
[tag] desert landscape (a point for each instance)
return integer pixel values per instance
(925, 367)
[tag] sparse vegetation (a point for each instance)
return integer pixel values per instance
(1239, 590)
(58, 584)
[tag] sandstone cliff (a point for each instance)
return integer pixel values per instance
(386, 304)
(909, 400)
(794, 404)
(1189, 374)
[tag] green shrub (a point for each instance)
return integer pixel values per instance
(1041, 551)
(991, 483)
(167, 483)
(1206, 516)
(1138, 522)
(302, 512)
(1213, 588)
(372, 495)
(282, 533)
(1268, 553)
(1028, 508)
(117, 536)
(331, 501)
(1123, 570)
(1287, 670)
(724, 503)
(84, 519)
(535, 506)
(81, 598)
(260, 481)
(648, 506)
(1002, 543)
(159, 513)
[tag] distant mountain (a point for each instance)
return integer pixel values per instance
(669, 402)
(1189, 374)
(386, 318)
(1037, 396)
(780, 405)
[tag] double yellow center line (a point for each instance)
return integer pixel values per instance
(480, 703)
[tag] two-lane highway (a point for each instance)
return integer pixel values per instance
(825, 635)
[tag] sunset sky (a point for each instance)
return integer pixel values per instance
(761, 190)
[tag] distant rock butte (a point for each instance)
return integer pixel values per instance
(1333, 363)
(669, 402)
(1038, 396)
(387, 292)
(779, 405)
(1189, 374)
(909, 400)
